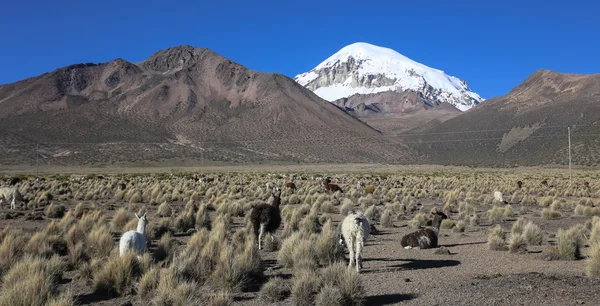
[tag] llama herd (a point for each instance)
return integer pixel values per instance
(355, 227)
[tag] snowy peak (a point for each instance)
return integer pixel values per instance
(365, 51)
(363, 68)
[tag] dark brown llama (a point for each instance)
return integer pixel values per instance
(266, 218)
(425, 238)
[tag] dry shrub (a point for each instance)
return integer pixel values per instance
(164, 248)
(199, 258)
(187, 219)
(99, 242)
(496, 239)
(222, 298)
(79, 210)
(285, 254)
(64, 299)
(275, 290)
(236, 271)
(568, 245)
(581, 210)
(271, 243)
(117, 274)
(550, 214)
(447, 224)
(347, 206)
(55, 211)
(120, 219)
(11, 249)
(329, 296)
(508, 211)
(460, 226)
(155, 230)
(305, 285)
(595, 233)
(517, 243)
(592, 268)
(310, 224)
(304, 255)
(327, 245)
(39, 245)
(202, 218)
(347, 281)
(533, 234)
(327, 207)
(474, 220)
(496, 214)
(148, 282)
(172, 290)
(372, 214)
(31, 281)
(164, 210)
(517, 227)
(386, 219)
(417, 221)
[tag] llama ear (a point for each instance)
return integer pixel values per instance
(144, 214)
(137, 216)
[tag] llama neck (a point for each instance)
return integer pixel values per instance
(276, 201)
(141, 227)
(437, 222)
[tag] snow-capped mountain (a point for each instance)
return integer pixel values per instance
(363, 68)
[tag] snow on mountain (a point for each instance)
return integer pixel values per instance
(363, 68)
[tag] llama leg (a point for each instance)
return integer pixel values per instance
(260, 235)
(351, 250)
(12, 204)
(358, 255)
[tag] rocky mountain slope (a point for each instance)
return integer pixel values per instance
(393, 112)
(177, 103)
(528, 126)
(363, 68)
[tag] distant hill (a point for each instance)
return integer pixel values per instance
(394, 112)
(528, 126)
(177, 103)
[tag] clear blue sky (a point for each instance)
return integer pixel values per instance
(493, 45)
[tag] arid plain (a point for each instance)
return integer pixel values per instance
(540, 246)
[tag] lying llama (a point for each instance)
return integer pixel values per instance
(425, 238)
(331, 187)
(135, 240)
(266, 217)
(355, 231)
(10, 194)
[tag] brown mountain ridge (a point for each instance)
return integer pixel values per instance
(528, 126)
(177, 103)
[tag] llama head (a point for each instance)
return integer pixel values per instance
(361, 184)
(438, 216)
(276, 192)
(142, 221)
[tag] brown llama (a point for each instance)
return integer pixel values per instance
(331, 187)
(291, 186)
